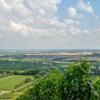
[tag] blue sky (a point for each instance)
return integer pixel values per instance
(88, 20)
(49, 24)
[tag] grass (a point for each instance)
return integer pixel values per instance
(11, 82)
(7, 96)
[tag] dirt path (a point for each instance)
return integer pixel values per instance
(15, 90)
(3, 92)
(22, 87)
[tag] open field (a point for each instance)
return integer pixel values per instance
(11, 82)
(13, 85)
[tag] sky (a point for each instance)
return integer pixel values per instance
(49, 24)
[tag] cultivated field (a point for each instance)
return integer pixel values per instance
(11, 86)
(11, 82)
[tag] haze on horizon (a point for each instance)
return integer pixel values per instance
(49, 24)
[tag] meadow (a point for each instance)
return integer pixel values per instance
(11, 82)
(10, 85)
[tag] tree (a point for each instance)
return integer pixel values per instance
(75, 83)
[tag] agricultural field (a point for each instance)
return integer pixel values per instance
(20, 69)
(11, 82)
(10, 86)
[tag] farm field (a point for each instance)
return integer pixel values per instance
(18, 70)
(10, 82)
(10, 85)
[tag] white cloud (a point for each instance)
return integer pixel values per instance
(44, 7)
(20, 27)
(87, 7)
(87, 32)
(42, 12)
(1, 35)
(55, 1)
(72, 11)
(33, 23)
(49, 28)
(6, 5)
(75, 31)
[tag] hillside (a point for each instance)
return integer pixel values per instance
(75, 83)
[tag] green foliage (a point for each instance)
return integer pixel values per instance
(27, 80)
(75, 83)
(28, 72)
(96, 84)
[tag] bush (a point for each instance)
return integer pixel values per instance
(75, 83)
(27, 80)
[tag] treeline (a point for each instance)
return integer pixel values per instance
(74, 83)
(29, 72)
(4, 73)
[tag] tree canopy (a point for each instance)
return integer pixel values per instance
(74, 83)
